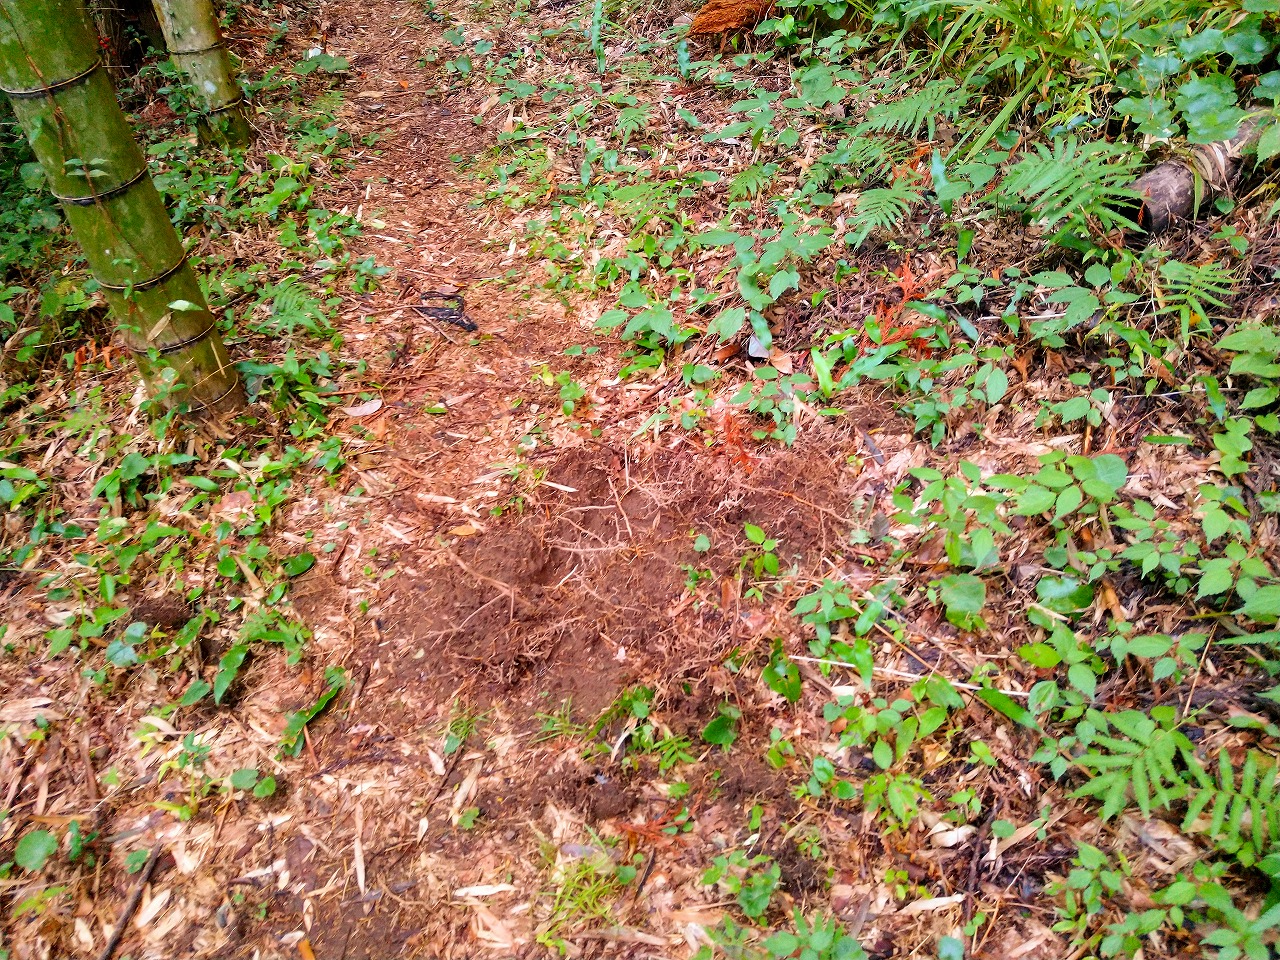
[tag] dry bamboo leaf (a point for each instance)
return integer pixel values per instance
(368, 408)
(482, 890)
(931, 904)
(357, 847)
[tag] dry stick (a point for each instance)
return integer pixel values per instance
(131, 907)
(904, 675)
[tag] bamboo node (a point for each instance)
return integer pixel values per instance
(36, 92)
(107, 194)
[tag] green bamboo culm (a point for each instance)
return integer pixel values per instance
(63, 98)
(195, 45)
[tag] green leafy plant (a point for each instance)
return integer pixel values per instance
(751, 881)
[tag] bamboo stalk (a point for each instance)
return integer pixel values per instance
(1174, 191)
(63, 98)
(197, 50)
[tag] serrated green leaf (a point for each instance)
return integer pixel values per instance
(1034, 501)
(722, 731)
(299, 564)
(1083, 679)
(1068, 500)
(1245, 44)
(963, 593)
(1208, 105)
(1263, 606)
(228, 669)
(1006, 705)
(34, 850)
(1040, 655)
(882, 754)
(728, 323)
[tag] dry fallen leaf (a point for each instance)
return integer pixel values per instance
(364, 409)
(482, 890)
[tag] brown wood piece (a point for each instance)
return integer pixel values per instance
(1169, 189)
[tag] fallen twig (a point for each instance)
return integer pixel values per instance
(904, 675)
(131, 907)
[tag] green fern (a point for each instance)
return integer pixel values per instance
(329, 102)
(748, 184)
(1142, 760)
(880, 208)
(1147, 761)
(292, 308)
(595, 33)
(920, 109)
(1243, 810)
(1072, 181)
(1187, 290)
(856, 160)
(632, 120)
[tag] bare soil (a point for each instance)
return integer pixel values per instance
(514, 591)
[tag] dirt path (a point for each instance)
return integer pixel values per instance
(556, 628)
(512, 562)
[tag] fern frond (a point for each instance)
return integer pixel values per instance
(1243, 808)
(748, 184)
(919, 110)
(880, 208)
(328, 103)
(1070, 181)
(1132, 758)
(1186, 290)
(632, 120)
(292, 307)
(857, 160)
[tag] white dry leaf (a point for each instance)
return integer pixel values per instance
(163, 931)
(437, 762)
(83, 935)
(368, 408)
(151, 909)
(161, 726)
(434, 498)
(941, 837)
(931, 904)
(488, 928)
(359, 846)
(465, 791)
(482, 890)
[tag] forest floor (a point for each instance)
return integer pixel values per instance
(575, 678)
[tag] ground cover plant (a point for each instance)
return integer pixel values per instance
(822, 521)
